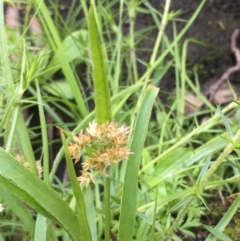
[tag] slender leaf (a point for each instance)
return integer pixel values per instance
(45, 142)
(224, 221)
(19, 209)
(226, 123)
(81, 211)
(129, 196)
(217, 234)
(41, 228)
(58, 49)
(101, 88)
(102, 97)
(44, 230)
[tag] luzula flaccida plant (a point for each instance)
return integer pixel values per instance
(100, 146)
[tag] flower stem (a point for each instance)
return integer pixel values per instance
(228, 149)
(180, 215)
(107, 208)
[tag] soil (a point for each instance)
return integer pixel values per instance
(214, 27)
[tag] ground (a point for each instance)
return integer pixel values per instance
(213, 26)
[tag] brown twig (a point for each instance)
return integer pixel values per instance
(213, 89)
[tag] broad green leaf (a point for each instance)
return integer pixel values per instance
(33, 191)
(59, 88)
(172, 163)
(75, 47)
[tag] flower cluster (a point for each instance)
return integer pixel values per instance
(102, 146)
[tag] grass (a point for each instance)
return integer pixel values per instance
(78, 71)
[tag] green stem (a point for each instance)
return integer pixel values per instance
(80, 203)
(132, 16)
(161, 30)
(85, 9)
(228, 149)
(11, 133)
(180, 215)
(107, 208)
(159, 37)
(154, 216)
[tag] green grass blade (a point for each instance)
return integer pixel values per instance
(26, 145)
(41, 228)
(144, 227)
(90, 202)
(204, 168)
(101, 88)
(225, 219)
(56, 44)
(44, 230)
(102, 97)
(28, 187)
(217, 235)
(82, 216)
(4, 58)
(129, 196)
(226, 123)
(202, 128)
(19, 209)
(154, 216)
(45, 143)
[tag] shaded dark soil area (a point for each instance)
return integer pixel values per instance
(214, 27)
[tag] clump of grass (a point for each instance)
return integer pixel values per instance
(174, 161)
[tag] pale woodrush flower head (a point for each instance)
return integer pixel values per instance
(102, 145)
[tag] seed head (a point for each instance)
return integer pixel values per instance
(102, 146)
